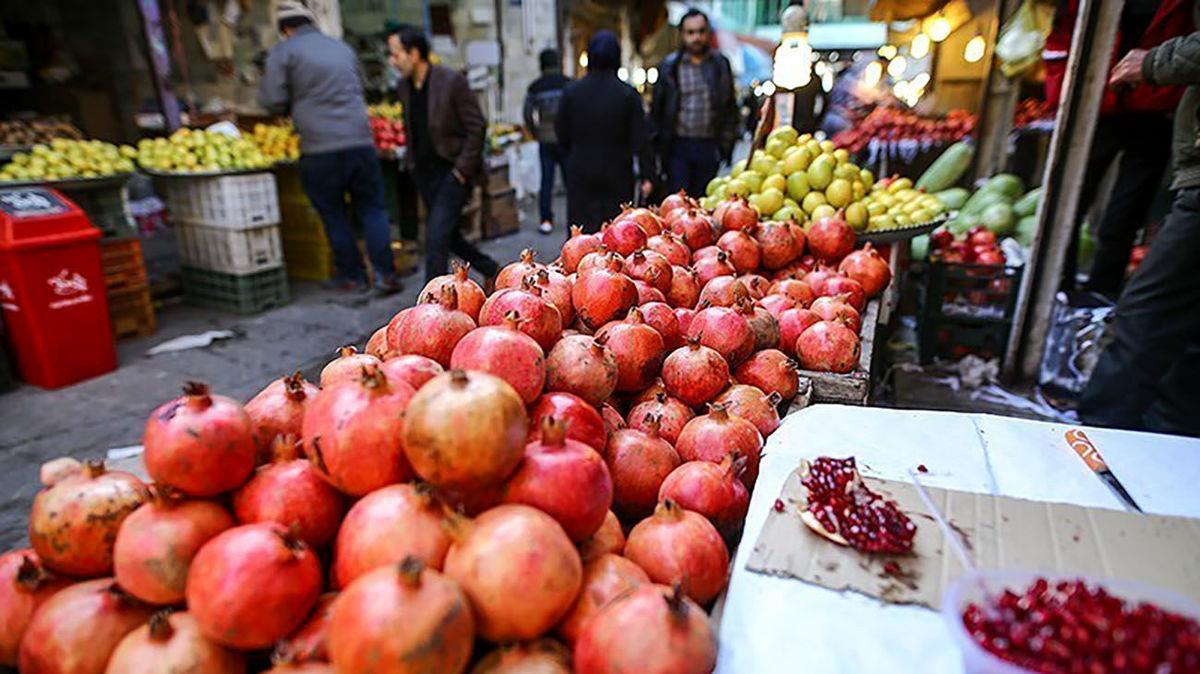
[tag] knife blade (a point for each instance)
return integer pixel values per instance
(1082, 445)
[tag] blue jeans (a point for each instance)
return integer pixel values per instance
(552, 155)
(444, 198)
(691, 163)
(327, 177)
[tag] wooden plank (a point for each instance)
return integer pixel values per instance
(999, 100)
(853, 388)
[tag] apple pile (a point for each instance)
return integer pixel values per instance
(891, 124)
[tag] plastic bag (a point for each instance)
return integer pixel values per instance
(1019, 45)
(1074, 342)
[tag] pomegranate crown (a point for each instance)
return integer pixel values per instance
(31, 574)
(94, 468)
(294, 385)
(346, 351)
(197, 394)
(160, 625)
(372, 377)
(410, 570)
(461, 270)
(528, 255)
(448, 296)
(553, 432)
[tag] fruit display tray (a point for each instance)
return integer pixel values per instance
(902, 233)
(101, 182)
(202, 174)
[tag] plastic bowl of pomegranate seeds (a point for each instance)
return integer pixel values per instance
(1015, 622)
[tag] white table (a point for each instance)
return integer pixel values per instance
(772, 624)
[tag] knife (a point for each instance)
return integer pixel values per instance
(1078, 440)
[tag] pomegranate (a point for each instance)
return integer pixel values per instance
(612, 418)
(563, 478)
(705, 253)
(671, 247)
(608, 539)
(77, 630)
(652, 629)
(751, 404)
(465, 430)
(647, 293)
(412, 369)
(735, 213)
(387, 526)
(583, 366)
(352, 433)
(710, 437)
(777, 304)
(401, 619)
(493, 558)
(723, 291)
(377, 344)
(798, 291)
(756, 285)
(431, 329)
(695, 373)
(24, 586)
(301, 668)
(638, 348)
(279, 410)
(868, 268)
(513, 274)
(601, 257)
(604, 579)
(837, 309)
(830, 238)
(532, 314)
(670, 415)
(778, 244)
(582, 420)
(762, 323)
(671, 202)
(602, 294)
(695, 228)
(744, 252)
(679, 546)
(644, 217)
(470, 295)
(544, 656)
(847, 289)
(201, 444)
(310, 641)
(294, 494)
(711, 267)
(638, 461)
(799, 236)
(651, 267)
(841, 507)
(725, 331)
(712, 490)
(73, 524)
(157, 542)
(771, 371)
(792, 323)
(171, 642)
(555, 288)
(252, 585)
(578, 245)
(828, 346)
(685, 288)
(623, 236)
(817, 277)
(346, 366)
(661, 317)
(507, 352)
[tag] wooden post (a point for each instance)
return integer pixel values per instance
(1086, 79)
(999, 102)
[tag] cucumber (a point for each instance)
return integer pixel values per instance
(999, 218)
(1007, 184)
(1027, 205)
(948, 168)
(953, 198)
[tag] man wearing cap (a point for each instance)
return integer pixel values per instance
(317, 79)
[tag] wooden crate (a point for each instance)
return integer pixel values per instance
(131, 312)
(853, 388)
(121, 260)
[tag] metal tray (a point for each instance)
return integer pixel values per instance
(67, 184)
(902, 233)
(205, 174)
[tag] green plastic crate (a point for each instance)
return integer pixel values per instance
(242, 294)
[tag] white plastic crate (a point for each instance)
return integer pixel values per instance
(230, 251)
(231, 202)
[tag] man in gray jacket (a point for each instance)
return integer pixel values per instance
(317, 79)
(1148, 378)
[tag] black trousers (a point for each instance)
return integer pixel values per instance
(444, 197)
(1148, 378)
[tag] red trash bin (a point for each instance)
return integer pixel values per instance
(52, 290)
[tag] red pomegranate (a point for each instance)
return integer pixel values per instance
(777, 304)
(695, 373)
(837, 309)
(302, 668)
(685, 288)
(710, 267)
(507, 352)
(583, 366)
(465, 430)
(638, 461)
(744, 252)
(669, 414)
(200, 444)
(792, 323)
(695, 228)
(639, 350)
(597, 259)
(751, 404)
(252, 585)
(778, 244)
(602, 294)
(799, 236)
(762, 323)
(714, 490)
(544, 656)
(671, 247)
(582, 420)
(613, 421)
(651, 267)
(647, 293)
(431, 329)
(756, 285)
(555, 288)
(770, 371)
(493, 558)
(294, 494)
(171, 642)
(798, 291)
(671, 202)
(847, 289)
(514, 273)
(817, 277)
(661, 317)
(604, 579)
(712, 436)
(157, 542)
(725, 331)
(24, 586)
(530, 312)
(828, 346)
(346, 366)
(470, 295)
(73, 524)
(652, 629)
(830, 238)
(735, 213)
(377, 344)
(679, 546)
(578, 245)
(412, 369)
(279, 410)
(623, 236)
(608, 539)
(644, 217)
(723, 291)
(563, 478)
(77, 630)
(401, 619)
(684, 316)
(352, 433)
(387, 526)
(310, 641)
(705, 253)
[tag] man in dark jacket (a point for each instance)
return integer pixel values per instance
(1149, 376)
(694, 113)
(317, 79)
(541, 109)
(445, 130)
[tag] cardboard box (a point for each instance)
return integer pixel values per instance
(502, 215)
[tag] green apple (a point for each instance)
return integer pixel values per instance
(770, 200)
(752, 179)
(775, 180)
(838, 194)
(797, 185)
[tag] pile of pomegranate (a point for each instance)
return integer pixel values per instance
(978, 246)
(892, 124)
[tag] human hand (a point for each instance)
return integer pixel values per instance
(1129, 69)
(647, 187)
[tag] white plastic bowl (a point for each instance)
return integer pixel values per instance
(977, 587)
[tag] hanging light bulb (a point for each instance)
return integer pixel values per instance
(873, 73)
(652, 75)
(974, 50)
(919, 48)
(639, 76)
(768, 88)
(583, 60)
(623, 73)
(897, 67)
(938, 27)
(921, 80)
(887, 51)
(793, 61)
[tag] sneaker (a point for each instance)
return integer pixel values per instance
(389, 285)
(546, 227)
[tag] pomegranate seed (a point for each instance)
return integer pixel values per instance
(891, 568)
(778, 505)
(843, 504)
(922, 469)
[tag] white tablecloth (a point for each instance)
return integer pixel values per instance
(782, 625)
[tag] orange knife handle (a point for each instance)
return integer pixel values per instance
(1085, 449)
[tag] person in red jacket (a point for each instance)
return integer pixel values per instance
(1135, 126)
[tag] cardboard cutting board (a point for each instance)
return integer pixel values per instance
(999, 532)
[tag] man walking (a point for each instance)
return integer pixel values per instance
(541, 109)
(316, 79)
(445, 148)
(694, 113)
